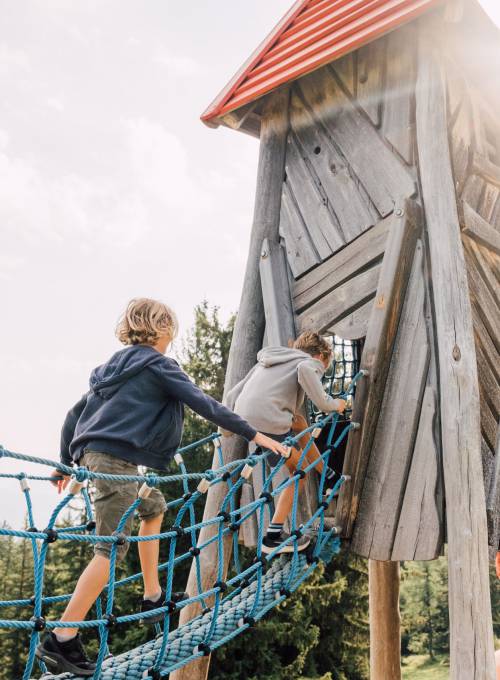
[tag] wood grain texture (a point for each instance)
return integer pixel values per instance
(300, 250)
(376, 356)
(493, 500)
(315, 214)
(471, 640)
(340, 302)
(420, 536)
(483, 167)
(247, 338)
(361, 254)
(358, 141)
(385, 620)
(397, 125)
(354, 326)
(340, 189)
(478, 229)
(392, 449)
(278, 311)
(370, 74)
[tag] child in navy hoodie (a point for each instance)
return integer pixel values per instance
(132, 415)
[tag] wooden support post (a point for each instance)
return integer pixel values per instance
(385, 621)
(471, 633)
(376, 357)
(247, 337)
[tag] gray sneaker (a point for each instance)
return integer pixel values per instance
(269, 544)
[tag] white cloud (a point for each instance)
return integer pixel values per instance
(56, 103)
(179, 66)
(12, 59)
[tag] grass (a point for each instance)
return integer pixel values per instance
(423, 668)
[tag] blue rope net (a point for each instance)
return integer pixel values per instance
(229, 607)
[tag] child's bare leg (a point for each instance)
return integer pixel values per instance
(148, 555)
(299, 424)
(285, 500)
(88, 588)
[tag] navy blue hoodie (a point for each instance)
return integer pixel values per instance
(134, 410)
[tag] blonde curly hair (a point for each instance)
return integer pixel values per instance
(145, 321)
(314, 344)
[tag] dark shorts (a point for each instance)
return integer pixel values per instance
(112, 499)
(274, 458)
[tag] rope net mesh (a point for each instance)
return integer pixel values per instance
(228, 607)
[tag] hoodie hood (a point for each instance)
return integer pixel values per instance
(106, 380)
(270, 356)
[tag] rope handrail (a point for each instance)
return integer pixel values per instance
(237, 603)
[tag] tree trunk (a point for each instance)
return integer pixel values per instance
(385, 621)
(247, 338)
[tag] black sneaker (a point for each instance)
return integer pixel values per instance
(270, 543)
(149, 605)
(65, 657)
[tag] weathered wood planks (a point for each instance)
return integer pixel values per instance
(340, 302)
(358, 141)
(478, 229)
(300, 250)
(342, 194)
(280, 327)
(397, 125)
(483, 167)
(354, 326)
(471, 640)
(377, 350)
(392, 449)
(370, 74)
(422, 536)
(355, 257)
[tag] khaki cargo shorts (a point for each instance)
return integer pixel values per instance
(112, 499)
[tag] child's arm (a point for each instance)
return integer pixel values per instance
(68, 429)
(180, 387)
(61, 480)
(310, 381)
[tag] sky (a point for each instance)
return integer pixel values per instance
(111, 188)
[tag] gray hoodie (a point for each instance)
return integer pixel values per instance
(274, 389)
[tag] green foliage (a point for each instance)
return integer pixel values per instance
(320, 632)
(424, 603)
(424, 668)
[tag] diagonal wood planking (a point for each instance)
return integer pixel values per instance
(394, 438)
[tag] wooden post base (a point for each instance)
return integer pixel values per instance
(385, 621)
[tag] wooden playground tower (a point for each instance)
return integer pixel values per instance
(377, 217)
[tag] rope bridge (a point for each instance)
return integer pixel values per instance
(229, 607)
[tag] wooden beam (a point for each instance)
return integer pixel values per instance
(471, 639)
(385, 620)
(393, 445)
(377, 350)
(478, 229)
(370, 75)
(300, 250)
(422, 539)
(340, 302)
(342, 194)
(362, 253)
(359, 142)
(278, 310)
(397, 124)
(354, 326)
(493, 500)
(247, 338)
(483, 167)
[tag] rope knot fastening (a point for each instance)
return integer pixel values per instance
(50, 535)
(120, 538)
(81, 474)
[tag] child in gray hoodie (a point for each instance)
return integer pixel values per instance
(270, 397)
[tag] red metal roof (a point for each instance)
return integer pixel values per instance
(312, 33)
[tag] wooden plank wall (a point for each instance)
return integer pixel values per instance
(349, 160)
(474, 135)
